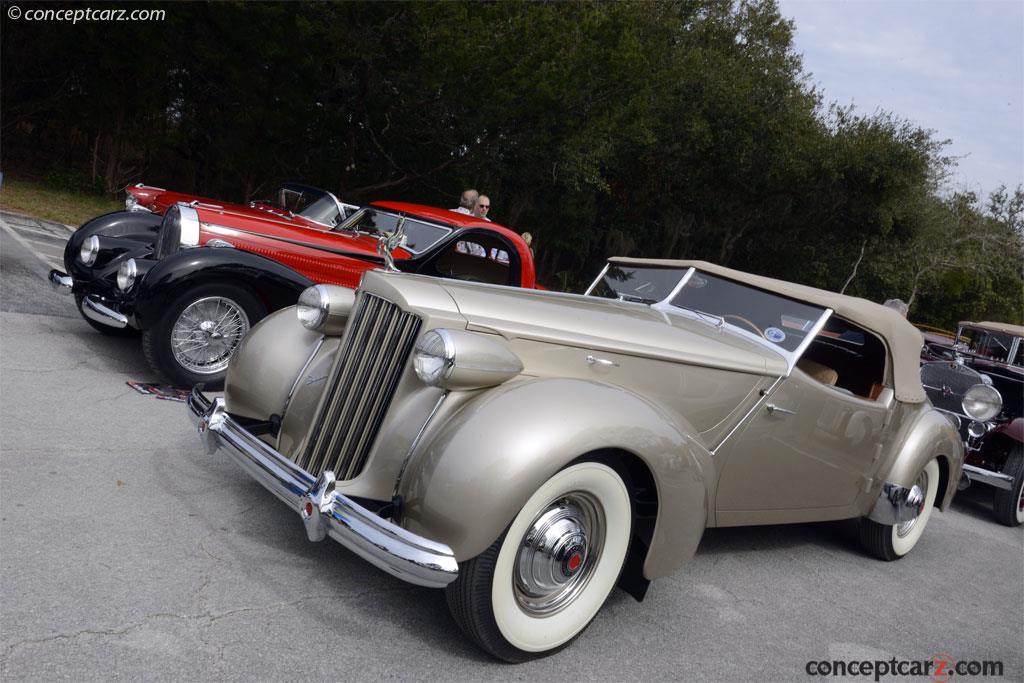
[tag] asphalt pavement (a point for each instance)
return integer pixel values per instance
(126, 553)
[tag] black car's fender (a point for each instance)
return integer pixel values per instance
(124, 229)
(274, 284)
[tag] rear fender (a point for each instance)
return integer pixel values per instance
(930, 435)
(274, 284)
(471, 477)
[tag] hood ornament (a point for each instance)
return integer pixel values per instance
(387, 242)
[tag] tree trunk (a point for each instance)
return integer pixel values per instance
(853, 273)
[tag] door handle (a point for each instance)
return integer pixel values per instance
(592, 360)
(772, 409)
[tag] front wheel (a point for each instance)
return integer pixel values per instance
(542, 582)
(195, 339)
(1008, 505)
(892, 541)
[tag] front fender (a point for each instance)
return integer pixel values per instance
(1014, 429)
(469, 480)
(928, 436)
(274, 284)
(130, 226)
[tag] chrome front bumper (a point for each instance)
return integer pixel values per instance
(324, 511)
(61, 281)
(997, 479)
(94, 310)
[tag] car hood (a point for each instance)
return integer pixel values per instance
(226, 220)
(613, 326)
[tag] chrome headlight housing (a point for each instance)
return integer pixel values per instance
(179, 229)
(90, 250)
(982, 402)
(461, 360)
(434, 357)
(325, 308)
(126, 275)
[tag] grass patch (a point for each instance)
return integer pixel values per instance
(40, 201)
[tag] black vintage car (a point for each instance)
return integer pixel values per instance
(986, 370)
(195, 279)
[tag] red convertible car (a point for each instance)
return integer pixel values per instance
(194, 274)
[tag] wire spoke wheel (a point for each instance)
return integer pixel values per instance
(206, 334)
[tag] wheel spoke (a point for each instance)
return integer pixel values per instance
(192, 339)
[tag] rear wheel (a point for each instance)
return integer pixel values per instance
(892, 541)
(194, 341)
(100, 327)
(542, 582)
(1009, 505)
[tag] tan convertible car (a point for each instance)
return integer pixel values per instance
(530, 450)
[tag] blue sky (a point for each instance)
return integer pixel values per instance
(954, 67)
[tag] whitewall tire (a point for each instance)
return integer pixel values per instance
(893, 541)
(543, 581)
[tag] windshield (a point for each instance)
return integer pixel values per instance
(994, 345)
(645, 285)
(311, 203)
(784, 322)
(419, 235)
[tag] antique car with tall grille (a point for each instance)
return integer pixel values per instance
(982, 390)
(531, 450)
(194, 276)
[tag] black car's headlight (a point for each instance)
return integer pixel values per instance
(982, 402)
(126, 275)
(90, 250)
(456, 359)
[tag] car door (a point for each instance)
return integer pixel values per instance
(802, 456)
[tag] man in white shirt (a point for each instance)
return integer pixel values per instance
(466, 202)
(482, 206)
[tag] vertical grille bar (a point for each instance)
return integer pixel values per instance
(363, 379)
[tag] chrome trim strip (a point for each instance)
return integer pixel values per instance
(997, 479)
(94, 310)
(295, 384)
(325, 512)
(607, 265)
(416, 441)
(373, 258)
(60, 281)
(765, 393)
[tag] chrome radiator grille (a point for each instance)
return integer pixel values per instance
(946, 383)
(362, 381)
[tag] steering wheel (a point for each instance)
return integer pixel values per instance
(742, 319)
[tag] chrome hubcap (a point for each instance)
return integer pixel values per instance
(206, 334)
(917, 495)
(558, 554)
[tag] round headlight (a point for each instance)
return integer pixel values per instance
(982, 402)
(434, 357)
(313, 307)
(126, 275)
(90, 250)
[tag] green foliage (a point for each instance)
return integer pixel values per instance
(685, 128)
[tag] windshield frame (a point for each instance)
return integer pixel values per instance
(717, 322)
(355, 217)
